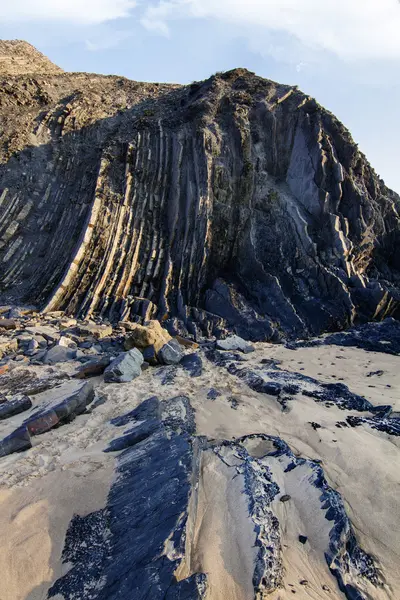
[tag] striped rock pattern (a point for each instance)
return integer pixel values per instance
(232, 203)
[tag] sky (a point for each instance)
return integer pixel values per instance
(345, 53)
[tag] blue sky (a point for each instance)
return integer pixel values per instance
(346, 53)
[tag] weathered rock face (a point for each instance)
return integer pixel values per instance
(235, 203)
(20, 58)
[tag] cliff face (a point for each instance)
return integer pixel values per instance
(232, 203)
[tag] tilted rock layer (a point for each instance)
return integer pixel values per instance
(232, 203)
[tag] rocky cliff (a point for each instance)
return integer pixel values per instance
(234, 203)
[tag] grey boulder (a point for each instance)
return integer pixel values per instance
(234, 342)
(171, 353)
(125, 367)
(59, 354)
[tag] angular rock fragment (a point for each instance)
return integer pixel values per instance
(59, 354)
(171, 353)
(51, 334)
(234, 342)
(150, 355)
(8, 324)
(125, 367)
(97, 331)
(92, 367)
(18, 441)
(16, 405)
(193, 364)
(142, 336)
(7, 345)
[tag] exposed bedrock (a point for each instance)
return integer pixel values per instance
(235, 203)
(191, 518)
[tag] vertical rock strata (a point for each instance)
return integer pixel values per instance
(232, 203)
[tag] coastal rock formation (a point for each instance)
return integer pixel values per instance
(213, 474)
(233, 204)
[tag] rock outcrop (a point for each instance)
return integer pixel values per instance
(231, 204)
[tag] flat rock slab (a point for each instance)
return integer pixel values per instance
(92, 368)
(97, 331)
(8, 324)
(49, 333)
(59, 354)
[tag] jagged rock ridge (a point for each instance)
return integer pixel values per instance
(232, 203)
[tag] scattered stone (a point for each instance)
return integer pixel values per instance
(315, 426)
(59, 354)
(303, 539)
(150, 355)
(67, 323)
(66, 342)
(86, 344)
(377, 373)
(8, 324)
(7, 345)
(234, 342)
(4, 369)
(46, 331)
(20, 358)
(186, 342)
(213, 394)
(125, 367)
(97, 331)
(193, 364)
(142, 336)
(32, 347)
(92, 368)
(171, 353)
(303, 582)
(285, 498)
(233, 402)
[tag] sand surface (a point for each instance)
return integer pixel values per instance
(67, 473)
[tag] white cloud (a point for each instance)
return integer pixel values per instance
(350, 29)
(82, 12)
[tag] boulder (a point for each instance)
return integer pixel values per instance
(93, 367)
(125, 367)
(16, 405)
(171, 353)
(66, 342)
(141, 336)
(59, 354)
(234, 342)
(150, 355)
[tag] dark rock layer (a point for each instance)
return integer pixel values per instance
(134, 546)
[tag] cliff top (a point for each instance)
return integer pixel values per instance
(18, 57)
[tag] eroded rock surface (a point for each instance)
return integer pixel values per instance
(234, 203)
